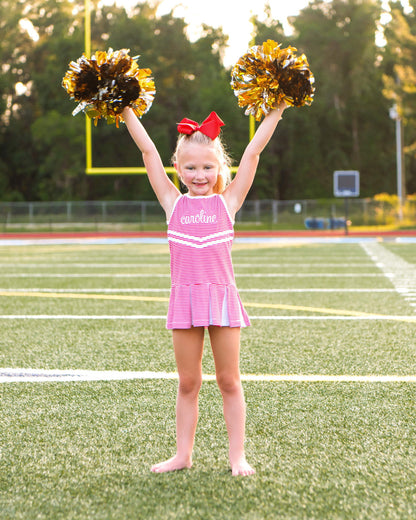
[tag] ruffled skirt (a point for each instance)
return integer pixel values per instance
(201, 305)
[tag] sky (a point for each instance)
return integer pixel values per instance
(232, 15)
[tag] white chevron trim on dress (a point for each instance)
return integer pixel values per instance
(200, 239)
(200, 246)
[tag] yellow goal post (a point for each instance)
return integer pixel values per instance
(125, 170)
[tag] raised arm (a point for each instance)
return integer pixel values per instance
(237, 191)
(166, 192)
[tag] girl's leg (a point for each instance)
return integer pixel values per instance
(225, 343)
(188, 345)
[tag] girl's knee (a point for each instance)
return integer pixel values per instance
(228, 383)
(190, 385)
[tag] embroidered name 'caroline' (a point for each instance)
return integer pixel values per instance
(199, 218)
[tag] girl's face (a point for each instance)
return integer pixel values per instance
(198, 168)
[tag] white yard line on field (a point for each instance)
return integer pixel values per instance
(25, 375)
(138, 317)
(166, 275)
(402, 274)
(120, 290)
(134, 265)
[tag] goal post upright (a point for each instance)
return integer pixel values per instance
(87, 50)
(111, 170)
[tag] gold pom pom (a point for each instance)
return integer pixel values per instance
(107, 83)
(267, 75)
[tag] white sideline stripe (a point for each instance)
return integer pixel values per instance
(22, 375)
(375, 317)
(401, 274)
(85, 275)
(126, 265)
(167, 289)
(166, 275)
(133, 265)
(319, 290)
(78, 317)
(103, 290)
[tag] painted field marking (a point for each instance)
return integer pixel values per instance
(278, 306)
(167, 275)
(320, 290)
(107, 290)
(130, 265)
(137, 317)
(143, 317)
(24, 375)
(402, 274)
(86, 296)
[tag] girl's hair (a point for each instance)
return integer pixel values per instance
(224, 176)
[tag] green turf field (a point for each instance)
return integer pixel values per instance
(334, 448)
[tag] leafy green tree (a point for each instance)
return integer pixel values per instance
(48, 35)
(347, 126)
(45, 154)
(352, 126)
(13, 45)
(400, 79)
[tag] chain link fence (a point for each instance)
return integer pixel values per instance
(257, 214)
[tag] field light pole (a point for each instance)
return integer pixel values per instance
(394, 114)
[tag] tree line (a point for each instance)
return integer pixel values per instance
(363, 59)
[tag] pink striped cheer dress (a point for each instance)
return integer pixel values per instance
(203, 293)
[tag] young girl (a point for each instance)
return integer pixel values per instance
(204, 294)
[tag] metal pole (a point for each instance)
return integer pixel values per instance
(346, 215)
(399, 165)
(395, 115)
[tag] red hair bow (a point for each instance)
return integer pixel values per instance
(210, 127)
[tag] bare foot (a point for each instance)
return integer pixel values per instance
(242, 467)
(176, 463)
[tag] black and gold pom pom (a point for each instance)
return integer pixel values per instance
(267, 75)
(107, 83)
